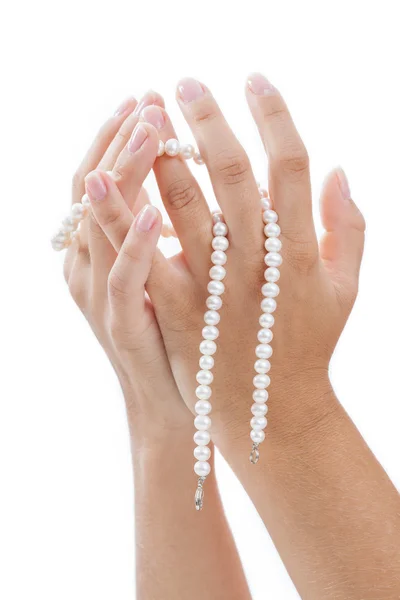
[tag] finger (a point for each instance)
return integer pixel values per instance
(182, 196)
(227, 162)
(289, 174)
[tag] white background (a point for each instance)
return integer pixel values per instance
(66, 507)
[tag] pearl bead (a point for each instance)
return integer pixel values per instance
(203, 392)
(202, 469)
(208, 347)
(265, 336)
(202, 422)
(270, 290)
(202, 453)
(220, 228)
(265, 204)
(218, 217)
(217, 273)
(198, 159)
(257, 436)
(206, 363)
(205, 377)
(211, 317)
(266, 320)
(203, 407)
(85, 200)
(260, 396)
(210, 332)
(268, 305)
(69, 224)
(202, 438)
(273, 244)
(263, 351)
(77, 211)
(172, 147)
(262, 365)
(270, 216)
(161, 148)
(261, 381)
(187, 151)
(273, 259)
(258, 423)
(259, 410)
(214, 302)
(220, 243)
(216, 288)
(263, 192)
(218, 257)
(272, 274)
(272, 230)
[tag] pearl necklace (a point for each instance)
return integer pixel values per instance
(210, 332)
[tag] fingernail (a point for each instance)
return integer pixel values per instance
(95, 186)
(260, 85)
(138, 137)
(146, 219)
(147, 100)
(190, 90)
(153, 115)
(123, 107)
(344, 184)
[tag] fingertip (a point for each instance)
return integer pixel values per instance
(148, 220)
(337, 207)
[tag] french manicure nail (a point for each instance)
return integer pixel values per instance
(344, 184)
(153, 115)
(123, 107)
(95, 186)
(138, 137)
(260, 85)
(146, 219)
(190, 89)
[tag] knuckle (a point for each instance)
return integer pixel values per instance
(116, 286)
(302, 256)
(294, 163)
(233, 167)
(181, 194)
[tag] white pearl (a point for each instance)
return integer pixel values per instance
(220, 228)
(263, 192)
(270, 216)
(257, 436)
(261, 381)
(218, 257)
(58, 246)
(202, 422)
(172, 147)
(265, 336)
(263, 351)
(272, 230)
(77, 211)
(272, 274)
(208, 347)
(187, 151)
(161, 148)
(262, 365)
(60, 237)
(69, 224)
(266, 320)
(214, 302)
(258, 423)
(212, 317)
(205, 377)
(203, 407)
(220, 243)
(273, 244)
(218, 217)
(217, 273)
(260, 396)
(273, 259)
(265, 204)
(202, 438)
(259, 410)
(202, 468)
(202, 453)
(216, 288)
(85, 200)
(270, 290)
(206, 363)
(210, 332)
(198, 159)
(268, 305)
(203, 392)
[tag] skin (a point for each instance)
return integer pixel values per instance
(318, 488)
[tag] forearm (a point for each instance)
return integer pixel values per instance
(180, 552)
(332, 511)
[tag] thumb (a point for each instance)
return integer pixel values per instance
(342, 245)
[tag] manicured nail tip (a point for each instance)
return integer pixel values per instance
(147, 100)
(154, 116)
(95, 187)
(190, 90)
(343, 183)
(138, 137)
(146, 219)
(260, 85)
(124, 106)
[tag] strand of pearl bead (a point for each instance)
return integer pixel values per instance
(270, 291)
(208, 347)
(173, 147)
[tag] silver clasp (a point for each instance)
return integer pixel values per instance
(254, 454)
(199, 495)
